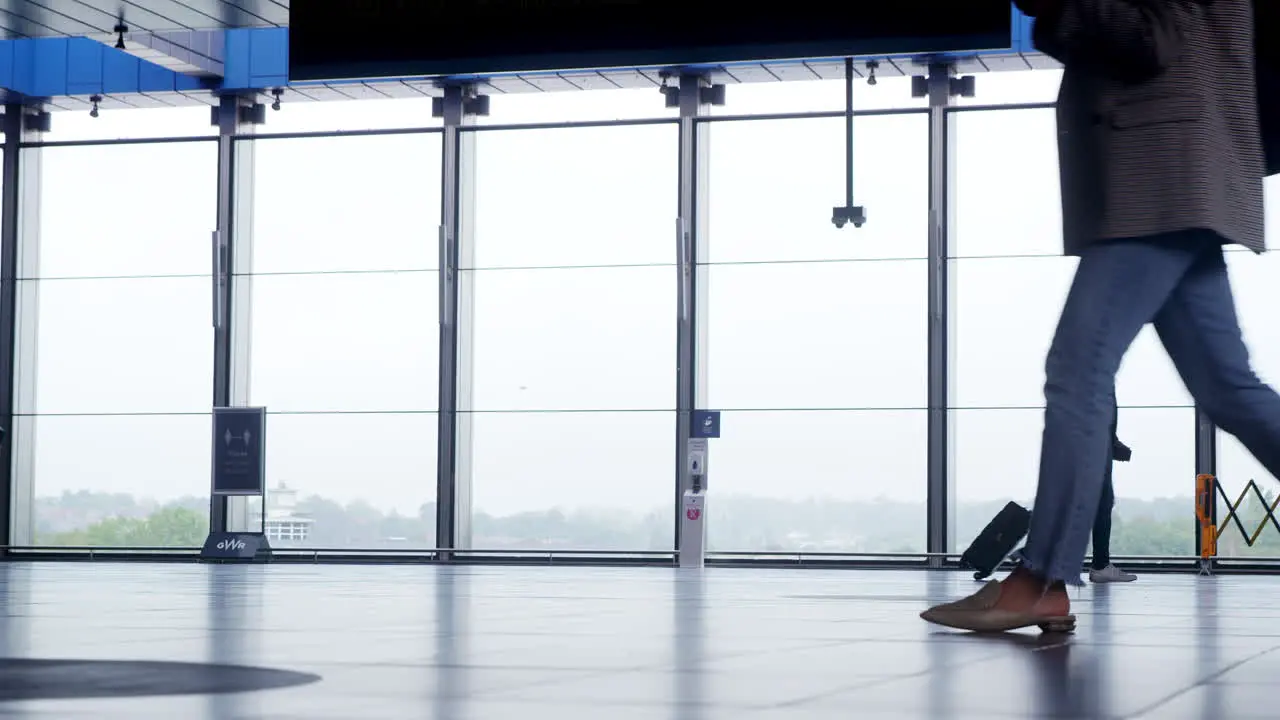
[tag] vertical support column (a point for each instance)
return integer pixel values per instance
(940, 483)
(232, 262)
(1206, 439)
(19, 305)
(15, 482)
(691, 96)
(457, 108)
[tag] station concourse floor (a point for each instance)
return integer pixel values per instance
(569, 643)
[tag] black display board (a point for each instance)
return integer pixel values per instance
(361, 39)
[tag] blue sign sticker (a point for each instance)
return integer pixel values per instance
(706, 424)
(239, 451)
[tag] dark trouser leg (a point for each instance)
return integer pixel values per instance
(1199, 329)
(1118, 288)
(1102, 523)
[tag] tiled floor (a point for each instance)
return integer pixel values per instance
(615, 644)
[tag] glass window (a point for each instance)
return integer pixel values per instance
(83, 499)
(1009, 87)
(574, 197)
(997, 459)
(117, 347)
(1009, 283)
(774, 183)
(372, 204)
(761, 92)
(561, 103)
(592, 480)
(107, 233)
(836, 481)
(320, 109)
(816, 344)
(1005, 314)
(573, 359)
(1253, 279)
(343, 348)
(119, 121)
(1004, 192)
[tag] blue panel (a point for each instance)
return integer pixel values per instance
(8, 64)
(1022, 32)
(48, 67)
(153, 78)
(269, 58)
(235, 59)
(119, 69)
(84, 66)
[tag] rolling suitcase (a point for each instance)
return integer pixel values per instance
(997, 540)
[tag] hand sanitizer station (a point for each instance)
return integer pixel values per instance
(693, 520)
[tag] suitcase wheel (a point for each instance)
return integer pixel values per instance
(980, 576)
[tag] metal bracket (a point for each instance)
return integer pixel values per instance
(473, 103)
(842, 215)
(708, 93)
(942, 80)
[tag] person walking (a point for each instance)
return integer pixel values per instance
(1102, 570)
(1161, 165)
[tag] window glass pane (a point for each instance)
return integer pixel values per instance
(84, 498)
(564, 104)
(115, 347)
(346, 203)
(1013, 87)
(373, 485)
(299, 113)
(559, 481)
(576, 197)
(798, 94)
(117, 121)
(801, 317)
(774, 184)
(834, 481)
(824, 335)
(135, 345)
(361, 342)
(574, 339)
(997, 457)
(1253, 278)
(127, 210)
(1005, 190)
(343, 347)
(1006, 310)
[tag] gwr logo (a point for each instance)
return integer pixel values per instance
(231, 544)
(693, 513)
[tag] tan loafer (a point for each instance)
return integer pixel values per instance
(978, 613)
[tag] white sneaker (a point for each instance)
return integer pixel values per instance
(1111, 574)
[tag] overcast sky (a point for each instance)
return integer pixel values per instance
(802, 316)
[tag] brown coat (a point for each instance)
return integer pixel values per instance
(1157, 118)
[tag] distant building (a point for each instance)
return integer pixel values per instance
(284, 525)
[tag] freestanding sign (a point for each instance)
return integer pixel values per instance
(239, 451)
(239, 469)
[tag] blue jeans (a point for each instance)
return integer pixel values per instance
(1179, 283)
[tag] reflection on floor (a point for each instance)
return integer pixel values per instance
(607, 643)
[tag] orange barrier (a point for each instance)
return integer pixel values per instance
(1205, 486)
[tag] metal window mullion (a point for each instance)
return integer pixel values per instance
(939, 471)
(15, 491)
(224, 234)
(690, 236)
(457, 311)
